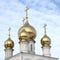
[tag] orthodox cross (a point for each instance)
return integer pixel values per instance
(26, 11)
(45, 28)
(9, 31)
(23, 21)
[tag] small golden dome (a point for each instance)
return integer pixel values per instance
(23, 36)
(45, 41)
(29, 29)
(9, 44)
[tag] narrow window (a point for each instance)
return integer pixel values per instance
(31, 47)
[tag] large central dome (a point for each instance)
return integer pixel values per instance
(29, 29)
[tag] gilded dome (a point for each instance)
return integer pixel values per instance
(29, 29)
(45, 41)
(23, 36)
(9, 44)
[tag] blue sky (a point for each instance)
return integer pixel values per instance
(40, 12)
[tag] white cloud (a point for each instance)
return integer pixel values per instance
(38, 4)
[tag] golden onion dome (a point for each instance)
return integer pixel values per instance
(9, 44)
(29, 29)
(45, 41)
(23, 36)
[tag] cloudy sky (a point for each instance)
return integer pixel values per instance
(40, 12)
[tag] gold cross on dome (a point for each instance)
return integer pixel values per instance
(45, 28)
(23, 21)
(26, 11)
(9, 31)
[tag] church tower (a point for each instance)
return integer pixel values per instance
(9, 44)
(30, 32)
(26, 36)
(46, 41)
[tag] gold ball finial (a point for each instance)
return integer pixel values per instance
(45, 40)
(9, 44)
